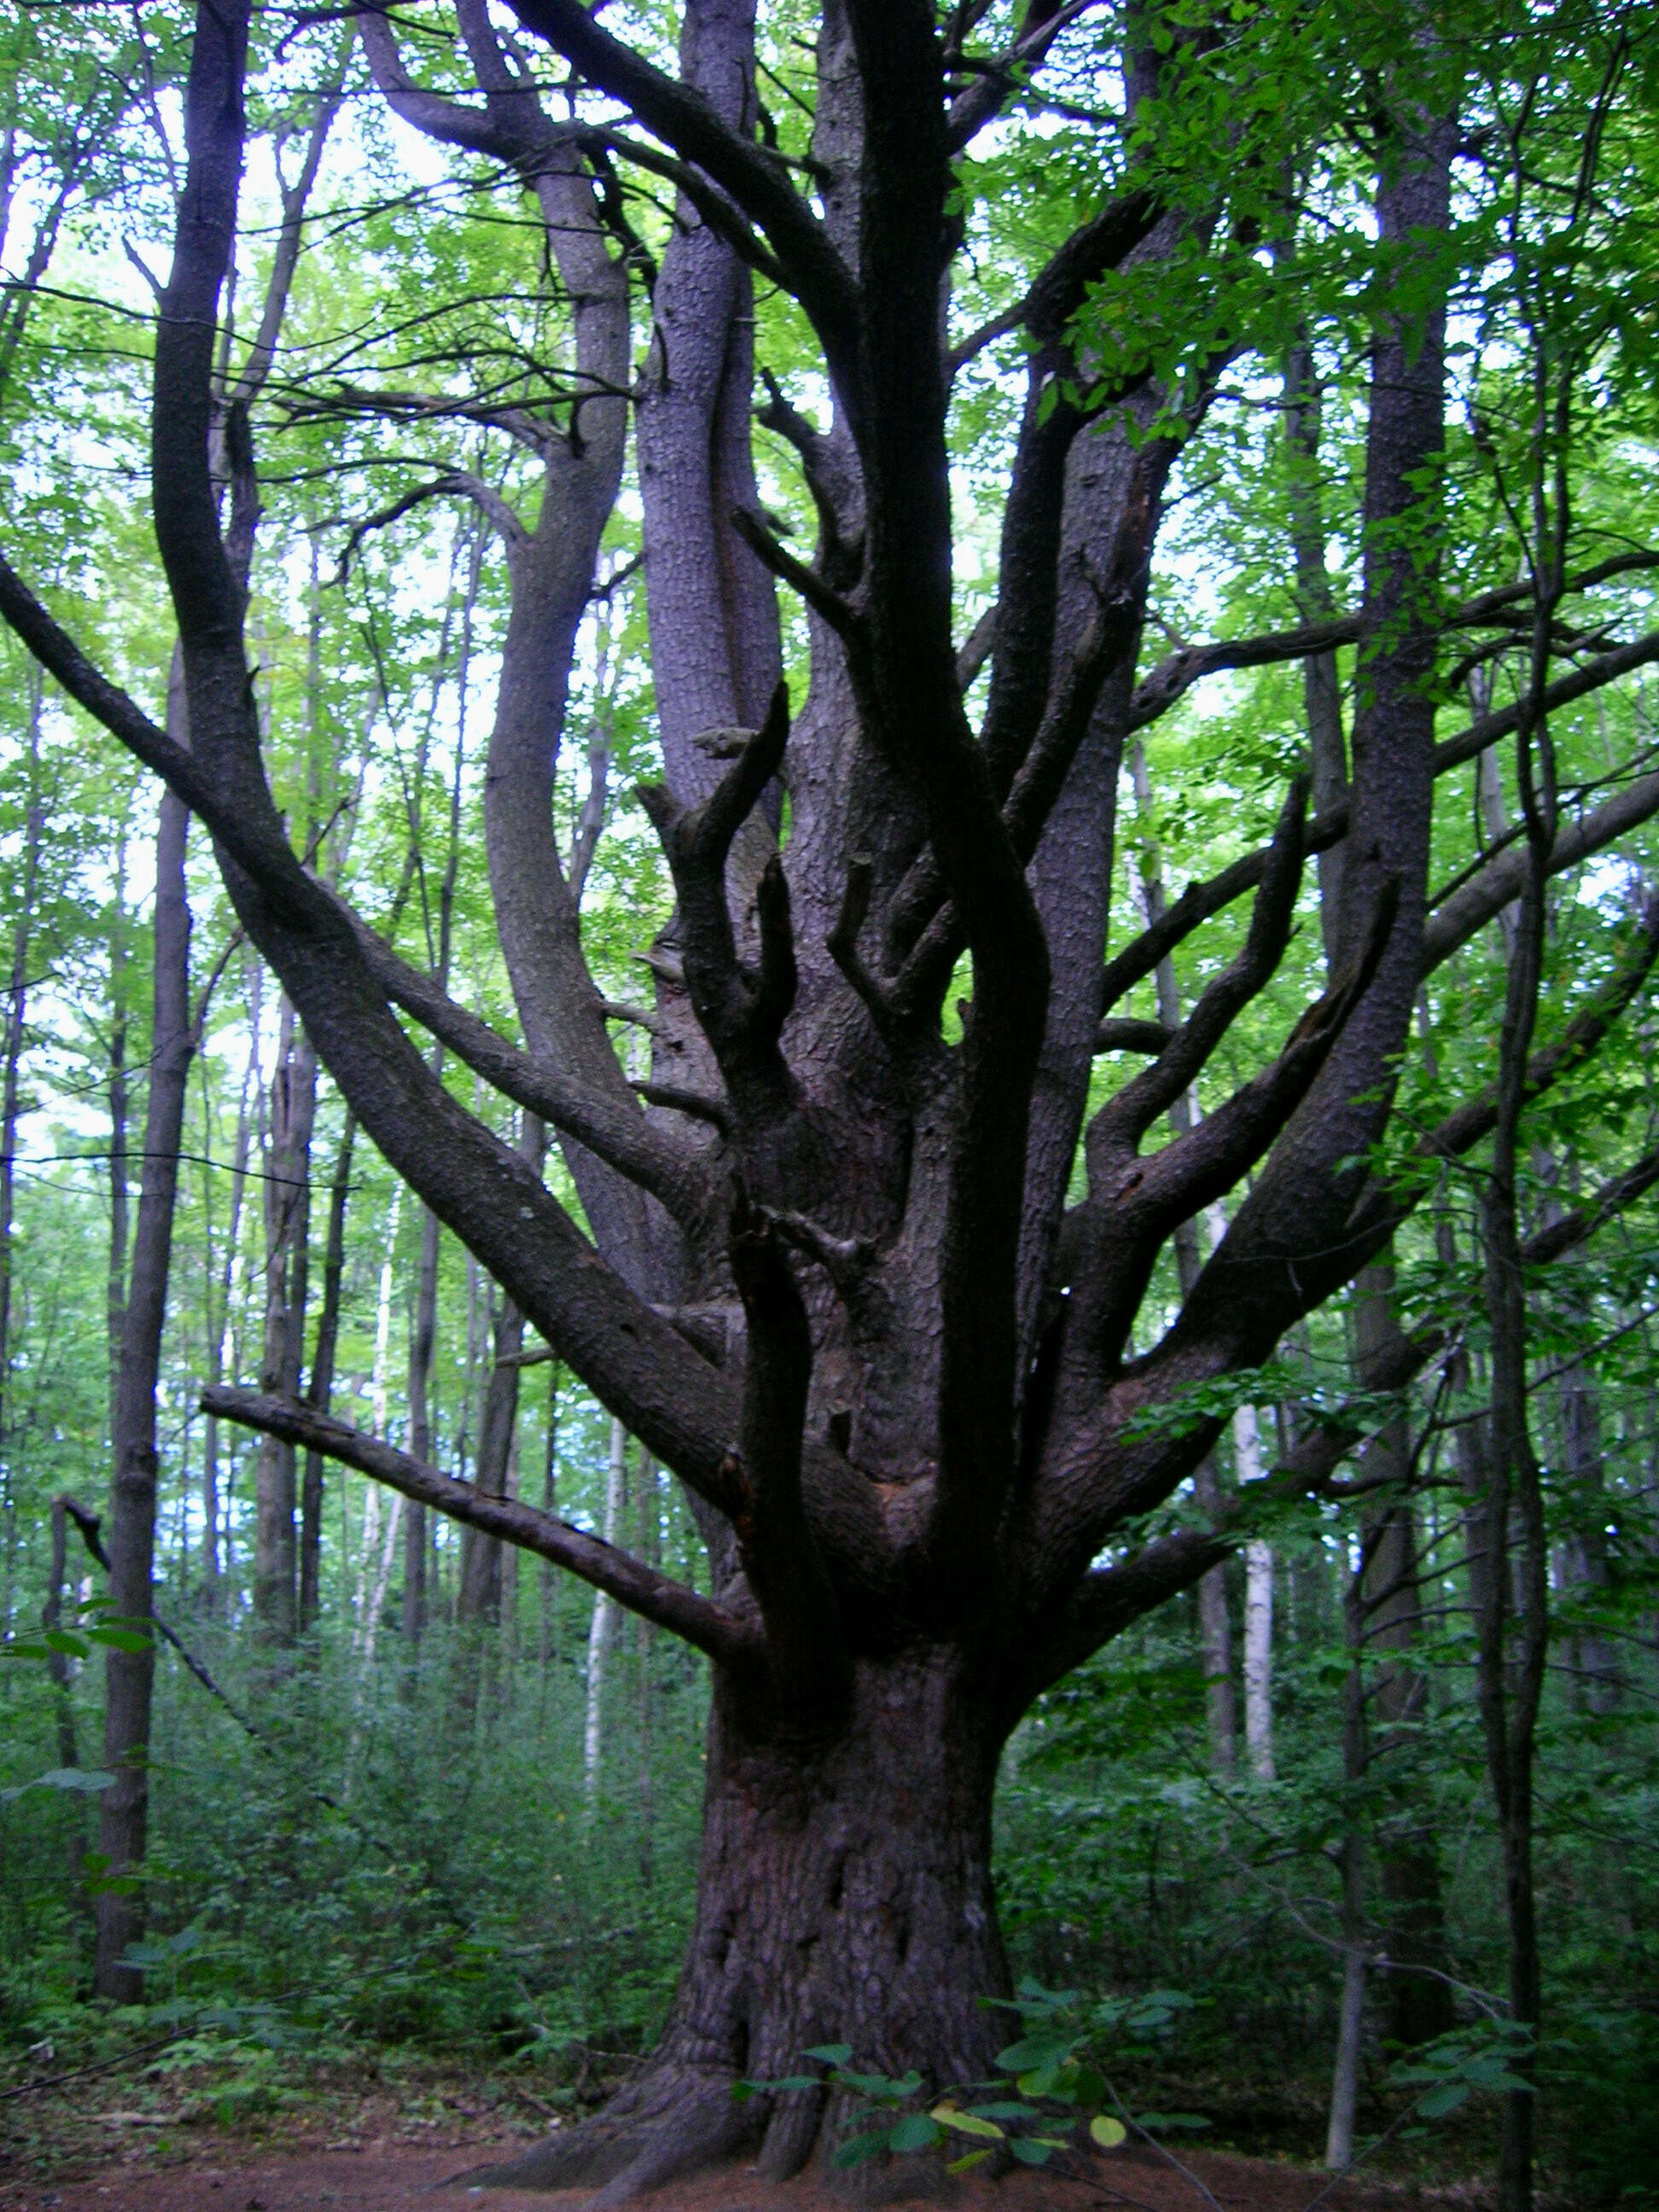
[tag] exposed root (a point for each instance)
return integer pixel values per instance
(665, 2127)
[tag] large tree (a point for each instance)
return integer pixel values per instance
(833, 1266)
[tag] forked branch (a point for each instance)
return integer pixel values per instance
(741, 1013)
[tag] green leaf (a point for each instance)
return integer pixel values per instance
(66, 1640)
(968, 2160)
(1154, 2121)
(1031, 2150)
(832, 2054)
(1435, 2103)
(1108, 2132)
(1006, 2110)
(1034, 2051)
(1039, 2082)
(121, 1639)
(967, 2123)
(915, 2131)
(857, 2148)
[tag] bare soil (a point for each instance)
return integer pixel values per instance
(400, 2137)
(221, 2175)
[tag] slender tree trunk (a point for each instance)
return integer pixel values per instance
(1214, 1620)
(124, 1808)
(221, 1335)
(645, 1639)
(1351, 2022)
(115, 1292)
(479, 1598)
(320, 1388)
(602, 1633)
(423, 1337)
(547, 1579)
(1258, 1611)
(288, 1208)
(1417, 1998)
(57, 1665)
(11, 1105)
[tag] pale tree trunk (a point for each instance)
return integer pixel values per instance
(124, 1808)
(1258, 1610)
(11, 1104)
(547, 1579)
(1598, 1677)
(321, 1384)
(288, 1215)
(368, 1616)
(645, 1636)
(423, 1336)
(601, 1633)
(57, 1665)
(221, 1346)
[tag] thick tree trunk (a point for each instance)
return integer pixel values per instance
(844, 1895)
(123, 1808)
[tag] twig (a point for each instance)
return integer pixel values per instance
(1163, 2149)
(79, 2073)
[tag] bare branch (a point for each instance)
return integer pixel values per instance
(804, 1634)
(1137, 1106)
(724, 1635)
(742, 1015)
(1199, 901)
(1126, 1035)
(1489, 891)
(753, 176)
(820, 596)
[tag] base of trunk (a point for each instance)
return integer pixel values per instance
(844, 1897)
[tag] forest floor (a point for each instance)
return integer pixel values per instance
(388, 2139)
(222, 2175)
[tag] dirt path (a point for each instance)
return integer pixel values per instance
(224, 2177)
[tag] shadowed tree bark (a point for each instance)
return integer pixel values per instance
(833, 1277)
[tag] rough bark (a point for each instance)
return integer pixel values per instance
(844, 1892)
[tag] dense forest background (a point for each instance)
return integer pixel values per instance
(453, 1805)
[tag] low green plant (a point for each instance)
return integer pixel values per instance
(1050, 2067)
